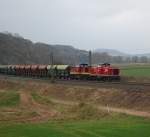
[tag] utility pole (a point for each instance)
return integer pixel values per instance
(52, 67)
(90, 58)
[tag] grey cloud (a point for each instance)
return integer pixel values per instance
(85, 24)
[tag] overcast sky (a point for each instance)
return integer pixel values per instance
(86, 24)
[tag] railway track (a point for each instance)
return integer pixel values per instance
(77, 82)
(106, 84)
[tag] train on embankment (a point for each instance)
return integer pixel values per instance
(103, 72)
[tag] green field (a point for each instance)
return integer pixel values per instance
(117, 127)
(135, 70)
(9, 98)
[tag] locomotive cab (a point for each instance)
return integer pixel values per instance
(80, 72)
(83, 65)
(81, 69)
(84, 68)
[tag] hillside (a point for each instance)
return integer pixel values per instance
(111, 52)
(17, 50)
(145, 54)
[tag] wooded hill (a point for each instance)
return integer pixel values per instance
(17, 50)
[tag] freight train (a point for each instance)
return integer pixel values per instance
(103, 72)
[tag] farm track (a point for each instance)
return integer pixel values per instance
(108, 108)
(79, 82)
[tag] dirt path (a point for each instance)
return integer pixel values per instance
(107, 108)
(124, 111)
(25, 99)
(44, 112)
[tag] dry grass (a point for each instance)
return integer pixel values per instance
(86, 111)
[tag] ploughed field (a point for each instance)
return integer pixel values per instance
(34, 109)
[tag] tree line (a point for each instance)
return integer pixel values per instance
(104, 57)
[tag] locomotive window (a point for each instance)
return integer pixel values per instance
(83, 65)
(105, 64)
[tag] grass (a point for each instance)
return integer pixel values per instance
(41, 99)
(9, 98)
(87, 111)
(136, 71)
(117, 127)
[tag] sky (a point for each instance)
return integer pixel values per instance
(85, 24)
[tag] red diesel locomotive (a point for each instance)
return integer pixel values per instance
(103, 72)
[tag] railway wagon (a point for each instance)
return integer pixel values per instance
(11, 70)
(17, 70)
(42, 71)
(27, 70)
(22, 70)
(63, 71)
(34, 70)
(58, 71)
(3, 69)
